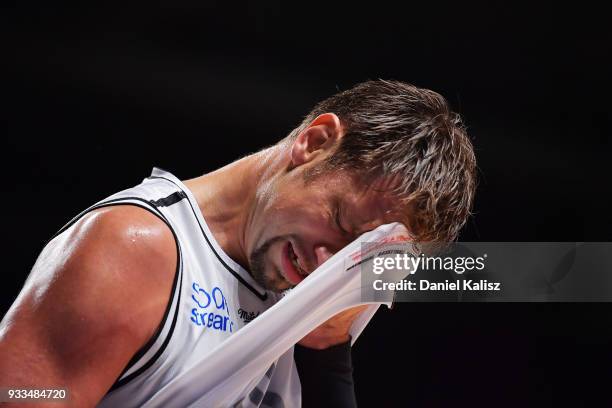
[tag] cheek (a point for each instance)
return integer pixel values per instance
(294, 205)
(296, 217)
(293, 209)
(289, 217)
(277, 219)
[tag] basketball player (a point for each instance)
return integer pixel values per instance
(127, 295)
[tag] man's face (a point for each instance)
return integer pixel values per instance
(300, 223)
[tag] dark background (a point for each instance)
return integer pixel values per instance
(94, 98)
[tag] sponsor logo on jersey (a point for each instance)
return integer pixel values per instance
(247, 316)
(211, 309)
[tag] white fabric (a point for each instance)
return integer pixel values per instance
(326, 292)
(232, 363)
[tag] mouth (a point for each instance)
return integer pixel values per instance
(291, 270)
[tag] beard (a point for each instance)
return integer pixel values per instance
(272, 280)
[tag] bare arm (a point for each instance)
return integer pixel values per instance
(95, 296)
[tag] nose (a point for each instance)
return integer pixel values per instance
(322, 254)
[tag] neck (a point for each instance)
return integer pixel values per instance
(228, 198)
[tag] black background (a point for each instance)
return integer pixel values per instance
(94, 98)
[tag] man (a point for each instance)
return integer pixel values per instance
(125, 295)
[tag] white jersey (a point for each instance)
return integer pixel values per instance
(190, 360)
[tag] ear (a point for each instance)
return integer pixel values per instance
(318, 138)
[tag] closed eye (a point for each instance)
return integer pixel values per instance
(338, 221)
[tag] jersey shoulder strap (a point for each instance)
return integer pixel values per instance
(151, 195)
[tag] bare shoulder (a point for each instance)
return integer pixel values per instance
(95, 296)
(130, 243)
(122, 251)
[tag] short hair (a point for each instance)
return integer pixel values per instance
(396, 129)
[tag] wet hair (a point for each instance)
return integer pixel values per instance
(394, 129)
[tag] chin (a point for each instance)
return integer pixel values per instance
(277, 285)
(264, 271)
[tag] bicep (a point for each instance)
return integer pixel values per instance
(94, 297)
